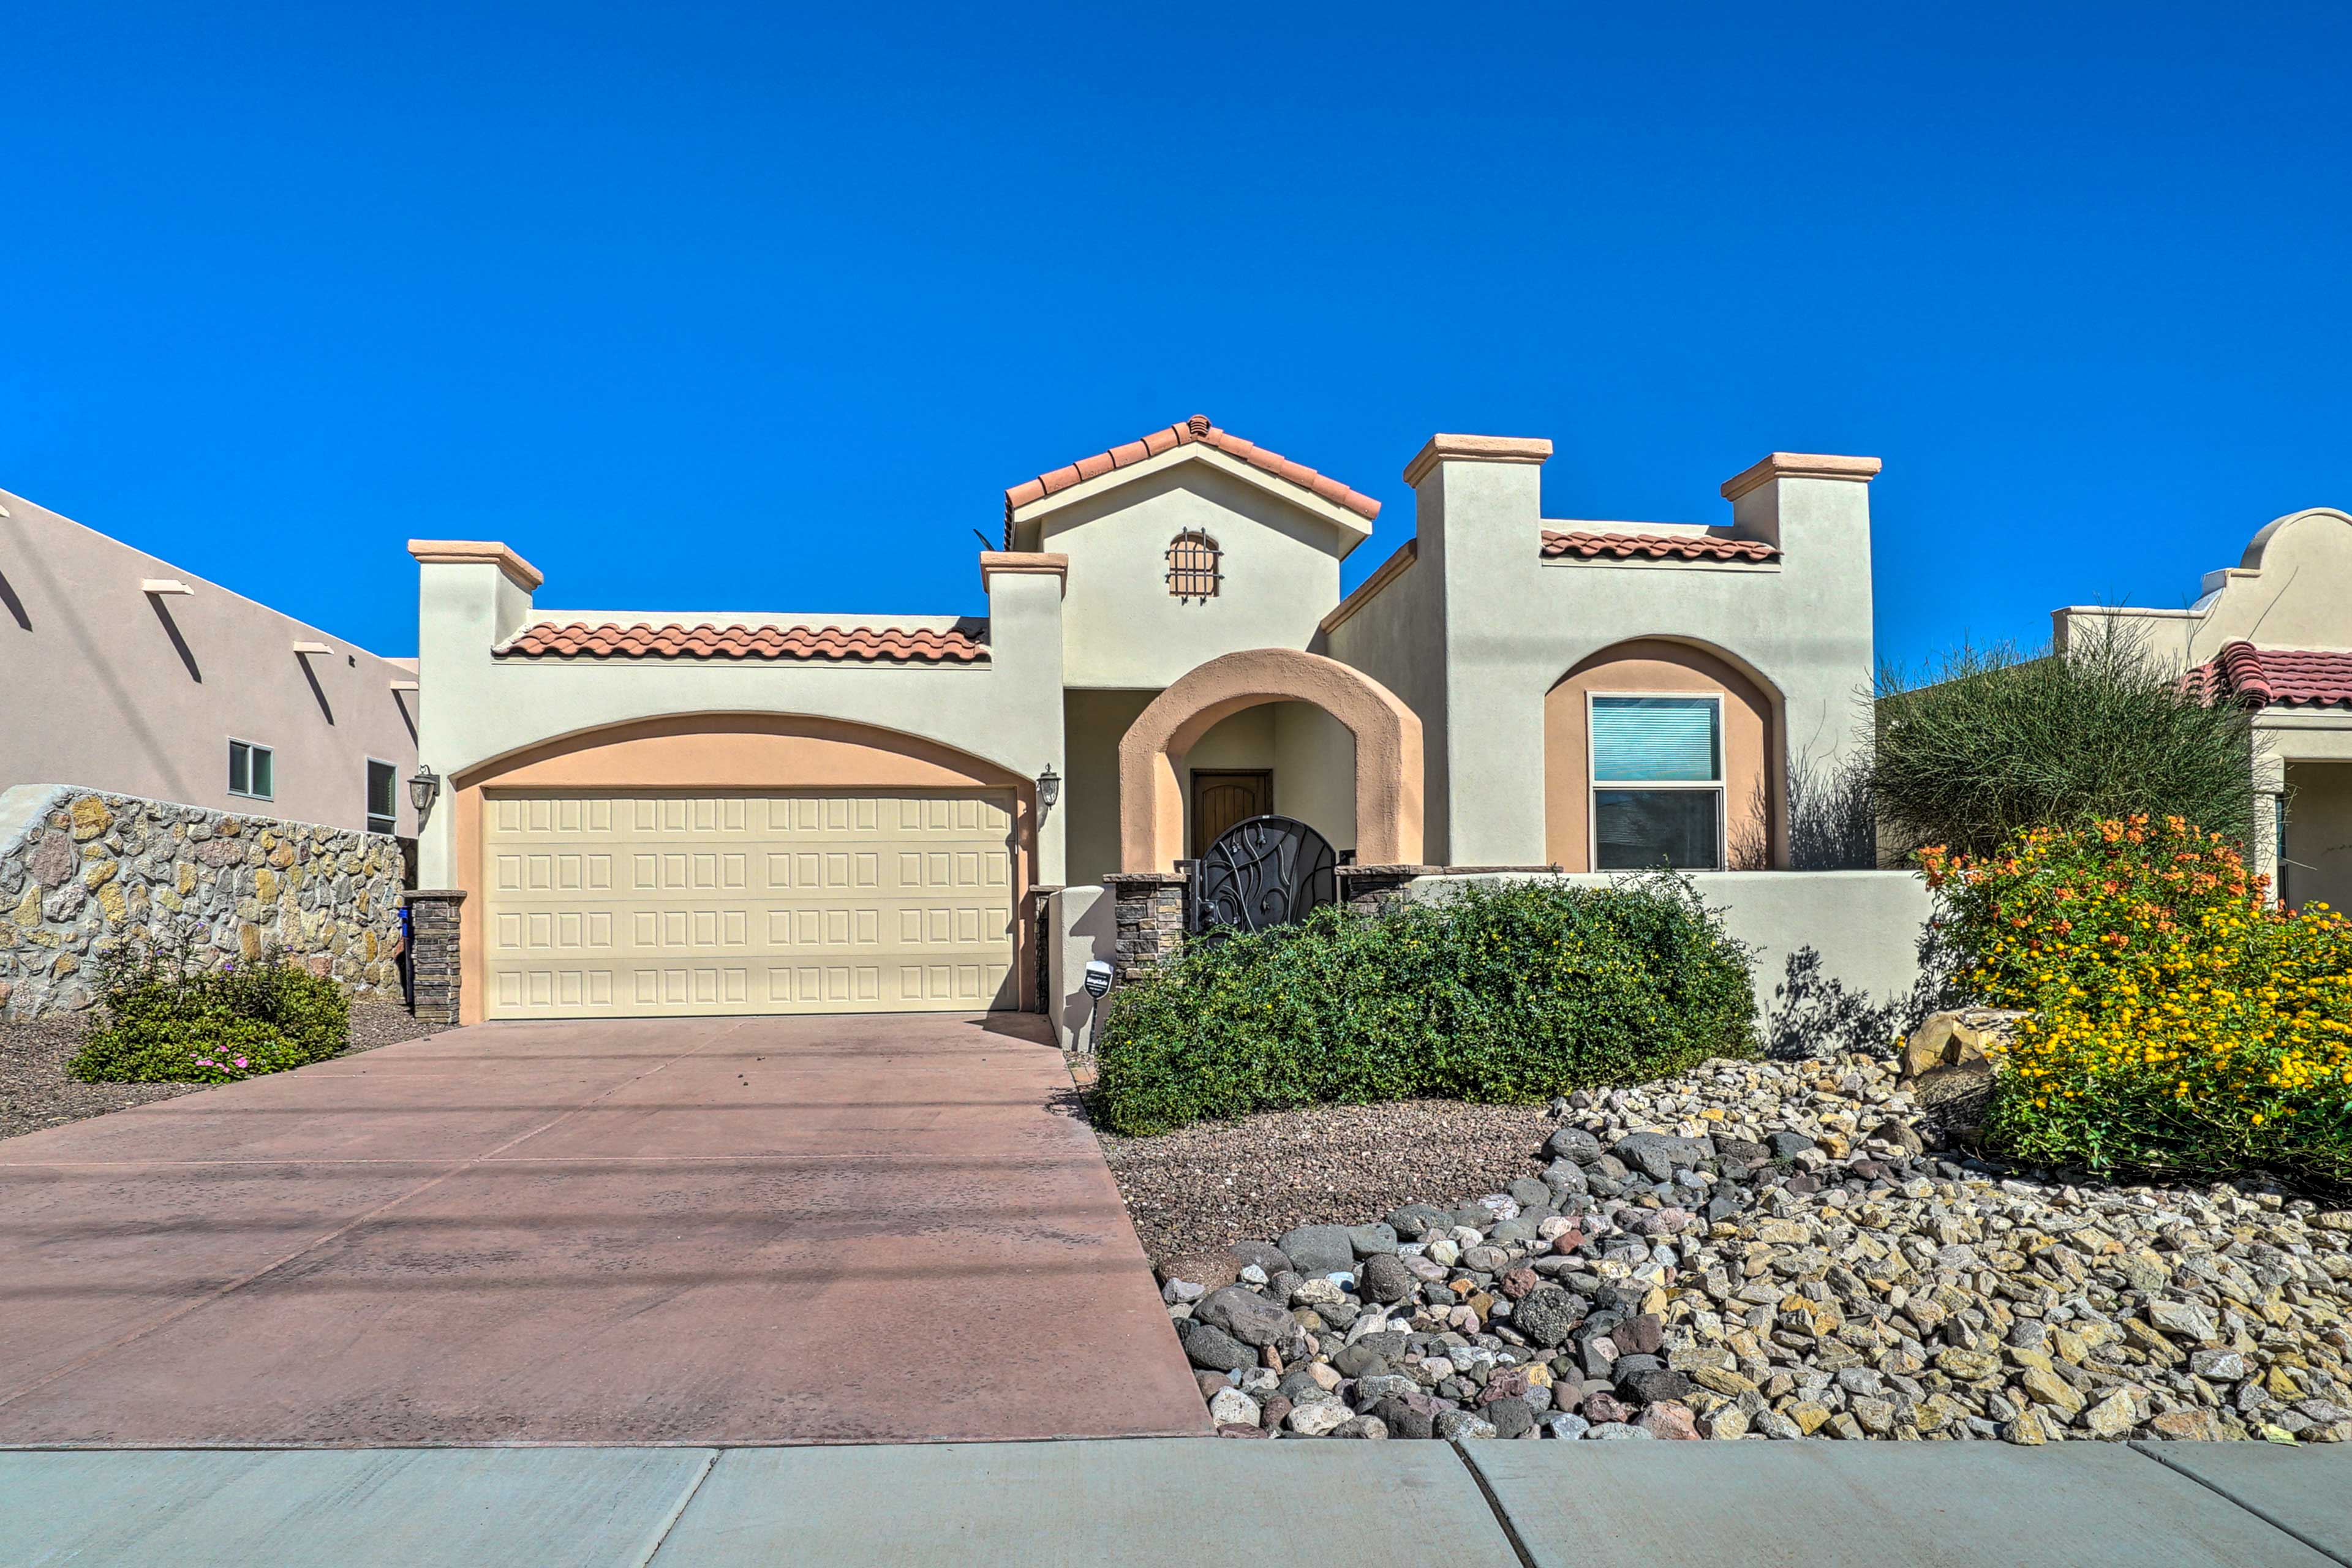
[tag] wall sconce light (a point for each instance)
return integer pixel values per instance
(423, 790)
(1049, 787)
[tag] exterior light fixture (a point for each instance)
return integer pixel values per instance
(1049, 787)
(423, 790)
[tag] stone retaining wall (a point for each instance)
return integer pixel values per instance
(84, 873)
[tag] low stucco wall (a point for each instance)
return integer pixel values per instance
(1084, 926)
(84, 873)
(1836, 953)
(1819, 938)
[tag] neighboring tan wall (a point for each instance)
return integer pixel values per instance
(85, 874)
(1123, 628)
(1864, 925)
(727, 752)
(2288, 590)
(1092, 723)
(117, 689)
(1085, 928)
(1749, 743)
(2319, 834)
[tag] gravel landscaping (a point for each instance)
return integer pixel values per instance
(1755, 1250)
(35, 1090)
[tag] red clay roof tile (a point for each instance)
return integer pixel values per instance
(1195, 429)
(1584, 546)
(706, 639)
(2275, 677)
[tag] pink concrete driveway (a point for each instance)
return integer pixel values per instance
(776, 1230)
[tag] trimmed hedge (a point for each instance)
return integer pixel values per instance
(1508, 993)
(167, 1024)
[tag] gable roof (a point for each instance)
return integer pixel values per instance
(1197, 429)
(2275, 677)
(706, 639)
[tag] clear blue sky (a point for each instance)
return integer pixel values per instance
(763, 307)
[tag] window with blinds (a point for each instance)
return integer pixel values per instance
(1657, 783)
(1193, 559)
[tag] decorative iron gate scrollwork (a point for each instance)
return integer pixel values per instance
(1264, 871)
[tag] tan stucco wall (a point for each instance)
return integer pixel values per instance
(1280, 565)
(105, 686)
(730, 752)
(1315, 771)
(1092, 723)
(2319, 834)
(1653, 665)
(1480, 629)
(1006, 713)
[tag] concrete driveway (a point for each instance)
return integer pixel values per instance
(775, 1230)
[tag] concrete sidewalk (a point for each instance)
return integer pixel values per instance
(1104, 1504)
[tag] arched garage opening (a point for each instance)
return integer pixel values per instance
(706, 865)
(1388, 761)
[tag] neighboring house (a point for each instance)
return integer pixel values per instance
(120, 672)
(767, 812)
(2276, 632)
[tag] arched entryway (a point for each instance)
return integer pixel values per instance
(1388, 751)
(1696, 736)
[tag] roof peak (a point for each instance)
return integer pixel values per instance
(1200, 430)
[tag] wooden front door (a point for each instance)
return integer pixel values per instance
(1222, 799)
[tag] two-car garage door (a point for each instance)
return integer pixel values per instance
(621, 905)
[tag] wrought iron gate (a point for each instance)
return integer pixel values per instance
(1264, 871)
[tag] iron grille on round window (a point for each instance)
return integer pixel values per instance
(1193, 559)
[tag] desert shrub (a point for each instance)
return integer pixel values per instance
(1509, 994)
(2182, 1022)
(1995, 742)
(167, 1022)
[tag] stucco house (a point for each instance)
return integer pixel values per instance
(121, 672)
(2275, 632)
(764, 812)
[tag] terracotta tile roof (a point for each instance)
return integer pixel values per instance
(1195, 429)
(1583, 546)
(707, 639)
(2275, 677)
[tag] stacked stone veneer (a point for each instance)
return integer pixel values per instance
(1149, 908)
(83, 874)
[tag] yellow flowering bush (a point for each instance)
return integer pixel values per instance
(2181, 1021)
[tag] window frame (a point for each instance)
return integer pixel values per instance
(252, 748)
(367, 804)
(1215, 573)
(1719, 785)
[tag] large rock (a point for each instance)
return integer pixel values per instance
(1319, 1250)
(1573, 1143)
(1385, 1279)
(1214, 1350)
(1371, 1240)
(1263, 1254)
(1546, 1316)
(1963, 1040)
(1658, 1155)
(1246, 1316)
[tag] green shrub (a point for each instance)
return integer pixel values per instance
(1996, 742)
(2182, 1022)
(1510, 994)
(167, 1023)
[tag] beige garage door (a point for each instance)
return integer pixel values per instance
(649, 905)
